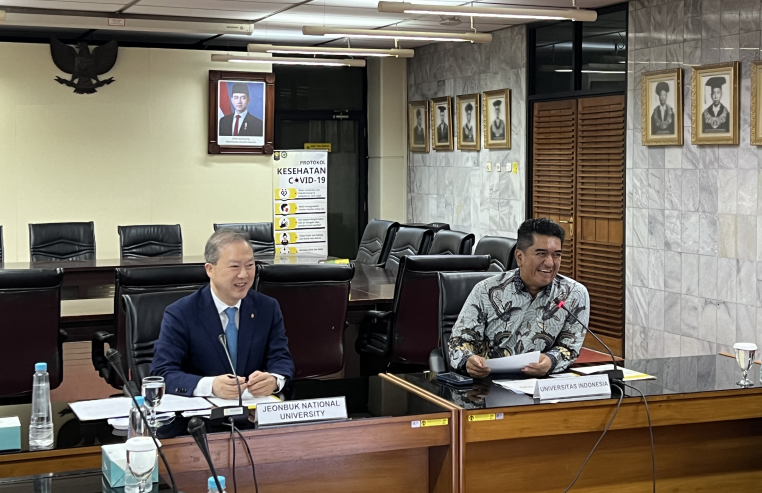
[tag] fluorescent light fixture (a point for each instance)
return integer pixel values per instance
(315, 62)
(314, 50)
(125, 23)
(338, 32)
(499, 12)
(565, 70)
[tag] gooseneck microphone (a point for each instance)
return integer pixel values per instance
(115, 360)
(197, 430)
(224, 341)
(615, 375)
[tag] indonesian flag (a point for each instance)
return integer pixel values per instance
(224, 100)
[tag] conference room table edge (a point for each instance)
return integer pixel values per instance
(736, 407)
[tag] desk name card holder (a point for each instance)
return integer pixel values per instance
(592, 386)
(330, 408)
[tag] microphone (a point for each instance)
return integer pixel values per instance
(197, 430)
(115, 360)
(224, 341)
(615, 375)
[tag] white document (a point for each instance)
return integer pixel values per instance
(119, 407)
(248, 400)
(629, 375)
(513, 364)
(124, 423)
(519, 386)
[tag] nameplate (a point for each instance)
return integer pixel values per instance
(570, 388)
(302, 410)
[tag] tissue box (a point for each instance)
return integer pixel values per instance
(10, 433)
(114, 464)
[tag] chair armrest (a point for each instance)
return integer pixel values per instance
(436, 361)
(62, 335)
(377, 314)
(98, 353)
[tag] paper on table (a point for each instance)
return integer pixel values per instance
(248, 400)
(519, 386)
(124, 423)
(629, 375)
(513, 364)
(119, 407)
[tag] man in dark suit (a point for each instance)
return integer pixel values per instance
(443, 129)
(189, 354)
(419, 131)
(240, 122)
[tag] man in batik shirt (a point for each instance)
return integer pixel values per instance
(516, 312)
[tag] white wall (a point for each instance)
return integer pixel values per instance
(133, 153)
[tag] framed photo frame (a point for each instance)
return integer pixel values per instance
(662, 108)
(497, 119)
(241, 112)
(441, 123)
(469, 123)
(418, 126)
(715, 113)
(756, 103)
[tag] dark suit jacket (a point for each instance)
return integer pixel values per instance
(188, 347)
(251, 126)
(443, 133)
(665, 126)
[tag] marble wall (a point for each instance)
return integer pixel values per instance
(454, 186)
(694, 214)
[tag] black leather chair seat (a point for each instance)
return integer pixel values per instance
(447, 242)
(376, 242)
(62, 241)
(408, 241)
(501, 250)
(260, 235)
(154, 240)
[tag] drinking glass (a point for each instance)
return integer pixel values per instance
(745, 358)
(153, 392)
(141, 460)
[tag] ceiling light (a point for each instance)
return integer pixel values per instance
(500, 12)
(312, 50)
(318, 62)
(393, 34)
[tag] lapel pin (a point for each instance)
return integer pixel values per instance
(252, 315)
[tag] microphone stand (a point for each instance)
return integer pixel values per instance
(219, 413)
(224, 341)
(197, 429)
(115, 360)
(616, 375)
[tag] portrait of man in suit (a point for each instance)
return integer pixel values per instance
(497, 127)
(663, 116)
(715, 118)
(191, 353)
(468, 125)
(443, 129)
(240, 121)
(419, 131)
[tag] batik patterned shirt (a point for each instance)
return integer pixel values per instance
(500, 318)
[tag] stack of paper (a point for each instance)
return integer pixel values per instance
(525, 386)
(248, 400)
(629, 375)
(513, 364)
(119, 407)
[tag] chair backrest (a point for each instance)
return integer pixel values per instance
(62, 241)
(30, 312)
(500, 249)
(454, 288)
(260, 235)
(1, 245)
(313, 299)
(376, 242)
(447, 242)
(408, 241)
(416, 302)
(139, 280)
(153, 240)
(144, 315)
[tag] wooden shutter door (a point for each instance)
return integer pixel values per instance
(554, 136)
(599, 231)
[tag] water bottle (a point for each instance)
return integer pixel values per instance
(137, 427)
(213, 486)
(41, 425)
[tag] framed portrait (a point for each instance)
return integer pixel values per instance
(241, 112)
(714, 104)
(497, 119)
(662, 108)
(441, 123)
(469, 123)
(756, 103)
(418, 126)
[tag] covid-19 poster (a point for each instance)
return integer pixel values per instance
(300, 215)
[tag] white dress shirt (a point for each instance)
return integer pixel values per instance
(240, 125)
(204, 387)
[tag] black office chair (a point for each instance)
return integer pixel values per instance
(376, 242)
(139, 280)
(260, 235)
(154, 240)
(144, 315)
(409, 332)
(408, 241)
(30, 311)
(1, 244)
(448, 242)
(62, 241)
(501, 250)
(454, 288)
(313, 299)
